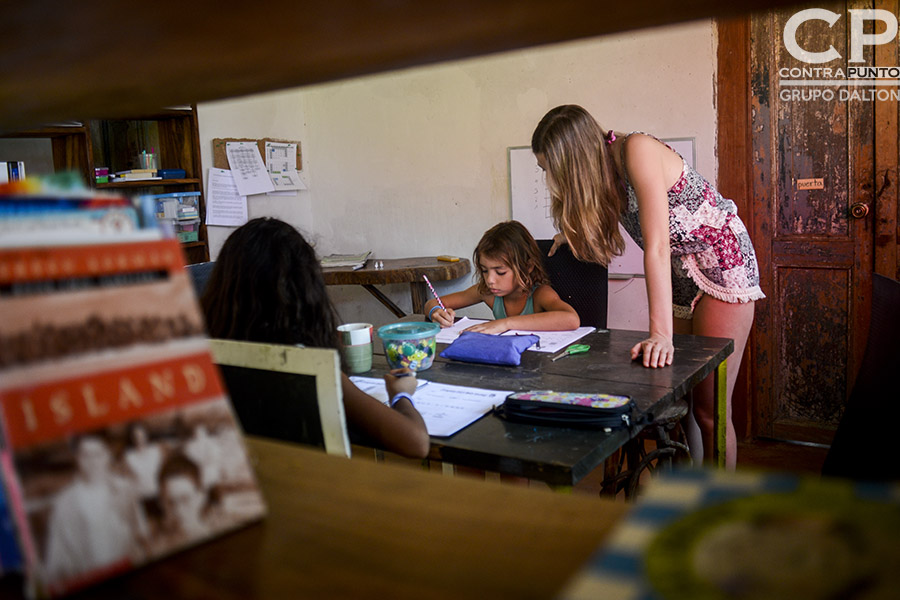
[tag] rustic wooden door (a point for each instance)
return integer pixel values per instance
(887, 163)
(813, 186)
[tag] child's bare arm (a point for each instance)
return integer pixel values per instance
(462, 299)
(551, 313)
(399, 430)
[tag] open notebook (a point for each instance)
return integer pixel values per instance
(445, 408)
(551, 341)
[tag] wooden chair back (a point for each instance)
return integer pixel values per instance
(583, 285)
(864, 445)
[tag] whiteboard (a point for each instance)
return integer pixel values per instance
(528, 193)
(530, 201)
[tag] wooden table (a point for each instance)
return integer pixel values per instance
(400, 270)
(340, 528)
(557, 455)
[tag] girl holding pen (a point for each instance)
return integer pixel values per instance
(512, 282)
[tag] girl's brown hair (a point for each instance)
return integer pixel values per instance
(586, 198)
(511, 243)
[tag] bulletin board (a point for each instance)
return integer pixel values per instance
(220, 159)
(530, 201)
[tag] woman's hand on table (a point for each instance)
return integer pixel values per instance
(657, 351)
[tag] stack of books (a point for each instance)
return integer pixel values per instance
(146, 174)
(137, 175)
(118, 444)
(344, 261)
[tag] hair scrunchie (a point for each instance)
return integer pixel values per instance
(610, 137)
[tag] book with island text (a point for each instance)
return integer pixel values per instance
(119, 444)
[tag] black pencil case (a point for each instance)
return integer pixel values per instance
(567, 409)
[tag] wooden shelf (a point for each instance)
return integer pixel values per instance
(170, 132)
(115, 143)
(139, 183)
(46, 132)
(68, 74)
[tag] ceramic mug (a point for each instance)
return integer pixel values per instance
(356, 346)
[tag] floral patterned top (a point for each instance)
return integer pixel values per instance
(708, 241)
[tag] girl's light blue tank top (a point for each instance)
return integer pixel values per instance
(500, 309)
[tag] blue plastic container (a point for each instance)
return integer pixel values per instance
(409, 344)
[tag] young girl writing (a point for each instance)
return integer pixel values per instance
(512, 282)
(267, 286)
(699, 262)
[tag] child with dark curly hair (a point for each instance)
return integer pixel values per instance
(267, 286)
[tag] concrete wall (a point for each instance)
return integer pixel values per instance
(414, 163)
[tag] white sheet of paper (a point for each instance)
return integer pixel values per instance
(250, 174)
(447, 334)
(554, 341)
(224, 205)
(374, 386)
(445, 408)
(551, 341)
(287, 181)
(281, 162)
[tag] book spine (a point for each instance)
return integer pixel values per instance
(38, 413)
(23, 265)
(10, 557)
(16, 510)
(101, 221)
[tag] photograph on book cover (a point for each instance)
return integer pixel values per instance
(107, 499)
(119, 445)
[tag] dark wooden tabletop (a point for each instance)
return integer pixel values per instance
(398, 270)
(340, 528)
(557, 455)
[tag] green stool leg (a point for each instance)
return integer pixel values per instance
(720, 413)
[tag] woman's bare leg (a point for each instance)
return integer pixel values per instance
(715, 318)
(691, 429)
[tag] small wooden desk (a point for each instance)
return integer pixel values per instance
(400, 270)
(557, 455)
(340, 528)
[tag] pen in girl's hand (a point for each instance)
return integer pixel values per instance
(404, 373)
(436, 297)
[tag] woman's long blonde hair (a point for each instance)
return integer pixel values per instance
(586, 196)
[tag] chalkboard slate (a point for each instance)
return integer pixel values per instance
(275, 404)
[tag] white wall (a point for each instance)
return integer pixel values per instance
(413, 163)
